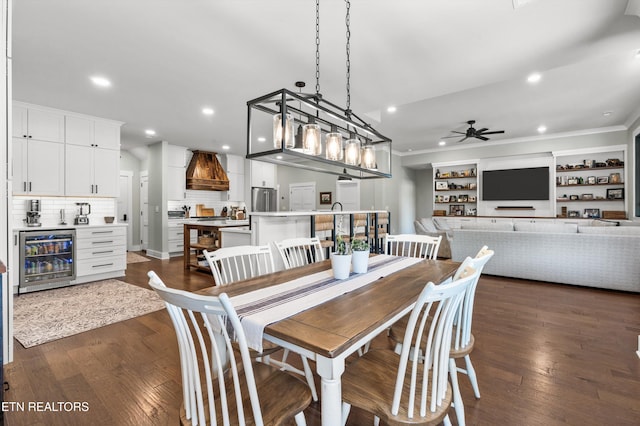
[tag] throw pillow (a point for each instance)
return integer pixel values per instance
(441, 224)
(428, 224)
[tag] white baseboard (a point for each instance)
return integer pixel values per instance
(158, 254)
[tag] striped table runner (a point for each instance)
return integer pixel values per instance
(259, 308)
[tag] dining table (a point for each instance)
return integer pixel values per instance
(329, 332)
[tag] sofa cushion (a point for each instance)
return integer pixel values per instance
(610, 230)
(441, 223)
(428, 224)
(555, 228)
(497, 226)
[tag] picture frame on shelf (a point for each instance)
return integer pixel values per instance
(472, 198)
(614, 178)
(456, 210)
(439, 198)
(445, 198)
(586, 197)
(325, 198)
(473, 185)
(442, 186)
(573, 213)
(592, 213)
(602, 180)
(591, 180)
(615, 194)
(463, 198)
(573, 197)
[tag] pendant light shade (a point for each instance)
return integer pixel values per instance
(333, 145)
(368, 157)
(352, 152)
(311, 139)
(288, 132)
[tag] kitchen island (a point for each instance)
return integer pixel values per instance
(208, 239)
(267, 227)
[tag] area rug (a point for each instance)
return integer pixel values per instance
(48, 315)
(136, 258)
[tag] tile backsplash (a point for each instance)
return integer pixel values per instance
(50, 209)
(210, 199)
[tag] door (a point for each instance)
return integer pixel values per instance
(144, 209)
(124, 209)
(302, 196)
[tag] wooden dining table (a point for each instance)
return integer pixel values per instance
(328, 333)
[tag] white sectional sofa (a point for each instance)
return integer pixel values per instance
(588, 255)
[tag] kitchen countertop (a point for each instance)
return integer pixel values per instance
(312, 213)
(237, 230)
(68, 226)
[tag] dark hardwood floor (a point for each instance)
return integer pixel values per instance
(546, 354)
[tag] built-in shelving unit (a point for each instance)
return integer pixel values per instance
(591, 184)
(455, 189)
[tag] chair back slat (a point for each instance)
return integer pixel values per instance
(231, 264)
(300, 251)
(463, 321)
(213, 382)
(421, 382)
(412, 245)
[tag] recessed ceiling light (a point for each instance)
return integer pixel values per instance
(262, 139)
(542, 129)
(100, 81)
(409, 150)
(534, 78)
(442, 143)
(150, 132)
(225, 147)
(607, 113)
(278, 157)
(207, 111)
(392, 109)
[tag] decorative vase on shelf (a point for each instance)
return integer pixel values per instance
(360, 253)
(340, 265)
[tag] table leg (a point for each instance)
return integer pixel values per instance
(330, 371)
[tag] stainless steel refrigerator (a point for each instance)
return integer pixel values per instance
(264, 199)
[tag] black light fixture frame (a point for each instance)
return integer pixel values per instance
(326, 114)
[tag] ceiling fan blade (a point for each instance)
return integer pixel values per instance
(463, 139)
(484, 129)
(493, 133)
(482, 138)
(453, 136)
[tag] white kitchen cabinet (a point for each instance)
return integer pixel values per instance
(263, 174)
(40, 124)
(101, 252)
(91, 171)
(86, 131)
(176, 239)
(38, 167)
(235, 173)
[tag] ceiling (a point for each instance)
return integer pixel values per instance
(440, 62)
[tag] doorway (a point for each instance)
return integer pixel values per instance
(144, 209)
(302, 196)
(124, 204)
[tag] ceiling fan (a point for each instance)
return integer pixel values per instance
(474, 133)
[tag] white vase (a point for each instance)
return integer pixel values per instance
(360, 261)
(341, 265)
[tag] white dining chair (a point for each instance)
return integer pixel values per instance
(400, 388)
(232, 264)
(412, 245)
(462, 340)
(300, 251)
(235, 392)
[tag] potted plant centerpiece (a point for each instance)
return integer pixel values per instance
(360, 255)
(341, 257)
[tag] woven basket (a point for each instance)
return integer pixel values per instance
(205, 240)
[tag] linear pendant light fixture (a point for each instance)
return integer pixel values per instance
(322, 126)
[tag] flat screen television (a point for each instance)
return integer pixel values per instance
(516, 184)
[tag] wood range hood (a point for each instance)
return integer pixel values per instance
(205, 173)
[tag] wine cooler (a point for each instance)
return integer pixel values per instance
(46, 259)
